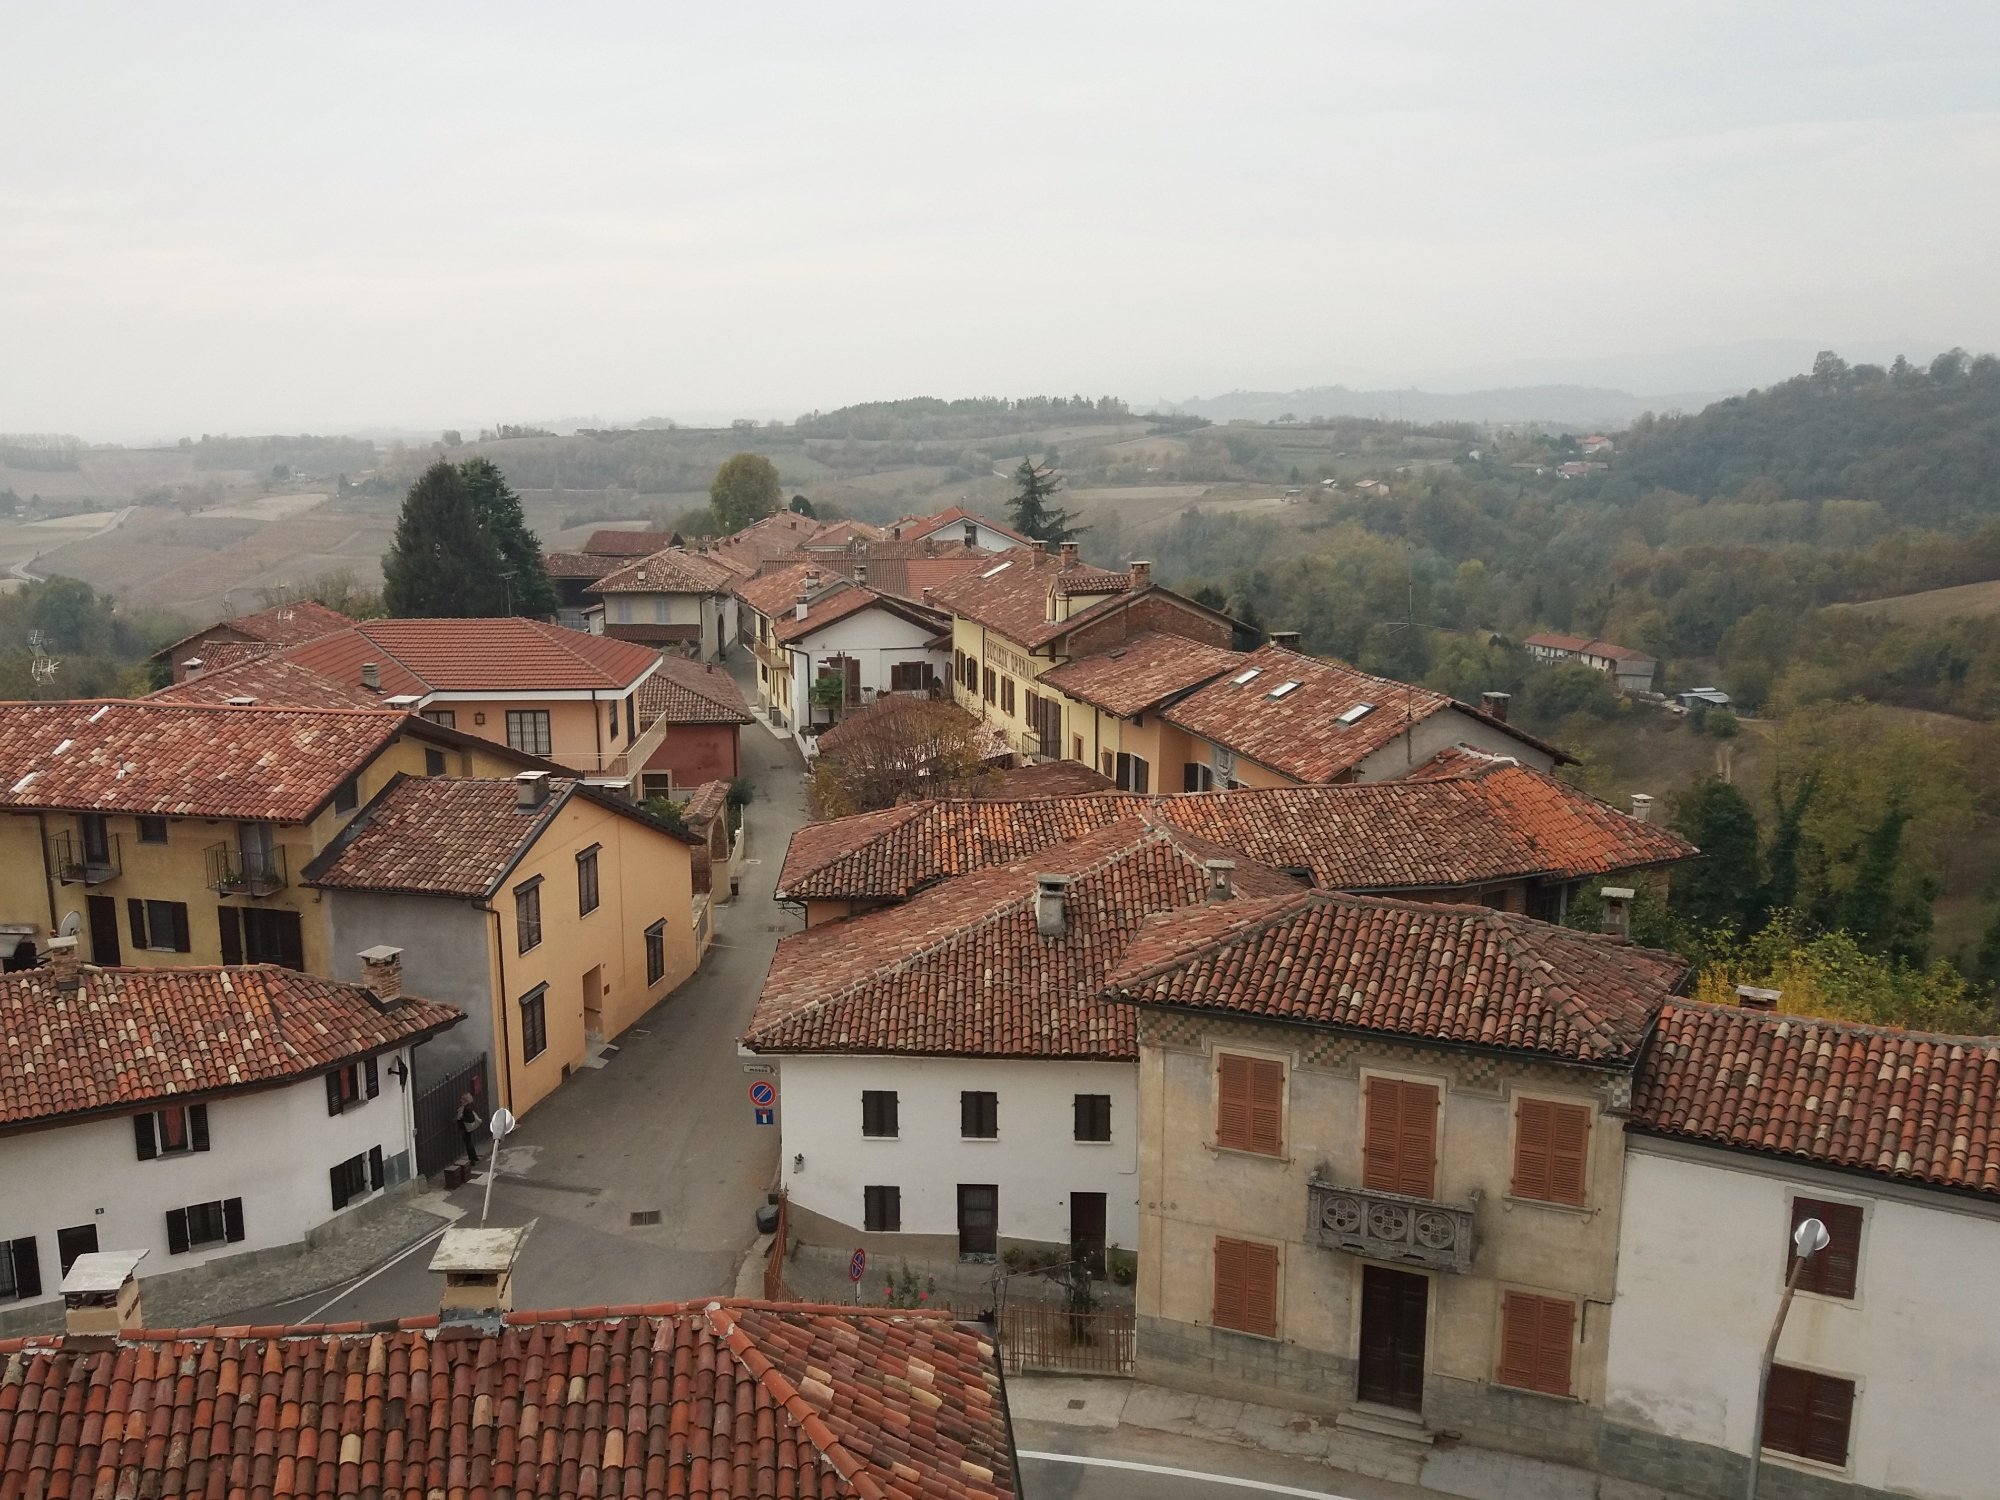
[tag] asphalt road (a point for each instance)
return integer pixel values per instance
(664, 1127)
(1077, 1463)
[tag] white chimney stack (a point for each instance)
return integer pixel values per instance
(478, 1270)
(531, 790)
(1220, 887)
(1051, 902)
(1642, 807)
(1617, 918)
(1751, 998)
(101, 1294)
(382, 972)
(371, 676)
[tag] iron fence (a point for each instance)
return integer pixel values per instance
(1047, 1336)
(438, 1143)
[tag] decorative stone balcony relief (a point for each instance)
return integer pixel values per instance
(1389, 1226)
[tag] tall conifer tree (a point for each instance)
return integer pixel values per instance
(441, 564)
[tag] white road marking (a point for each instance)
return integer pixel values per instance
(1138, 1468)
(356, 1286)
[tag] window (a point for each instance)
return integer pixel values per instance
(1196, 777)
(347, 796)
(160, 925)
(656, 952)
(1808, 1414)
(357, 1177)
(1006, 695)
(433, 762)
(909, 676)
(534, 1023)
(171, 1132)
(979, 1115)
(351, 1085)
(528, 914)
(1133, 774)
(972, 674)
(80, 1239)
(656, 784)
(260, 935)
(20, 1270)
(989, 684)
(631, 718)
(1076, 747)
(152, 830)
(1832, 1272)
(1551, 1150)
(611, 726)
(528, 730)
(586, 881)
(1093, 1117)
(214, 1223)
(1399, 1144)
(447, 717)
(1250, 1104)
(1536, 1337)
(1246, 1287)
(1109, 765)
(878, 1113)
(882, 1209)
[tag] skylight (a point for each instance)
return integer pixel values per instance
(991, 572)
(1243, 677)
(1283, 688)
(1357, 713)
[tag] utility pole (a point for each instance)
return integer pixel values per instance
(1807, 1241)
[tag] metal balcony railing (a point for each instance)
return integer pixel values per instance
(1389, 1226)
(233, 871)
(77, 865)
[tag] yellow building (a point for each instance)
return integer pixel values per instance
(552, 913)
(174, 834)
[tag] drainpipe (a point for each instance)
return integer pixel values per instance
(596, 731)
(504, 1075)
(48, 872)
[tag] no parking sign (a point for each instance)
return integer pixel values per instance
(763, 1101)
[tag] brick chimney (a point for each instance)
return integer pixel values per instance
(1289, 639)
(531, 790)
(1616, 920)
(812, 580)
(1495, 705)
(1142, 575)
(1069, 554)
(1642, 807)
(382, 972)
(478, 1270)
(1751, 998)
(861, 574)
(371, 676)
(65, 963)
(928, 591)
(1220, 873)
(1051, 905)
(101, 1294)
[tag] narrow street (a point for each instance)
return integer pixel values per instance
(663, 1128)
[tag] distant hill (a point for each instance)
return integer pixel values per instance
(1574, 406)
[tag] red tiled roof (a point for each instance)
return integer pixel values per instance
(705, 803)
(435, 836)
(130, 1037)
(843, 533)
(1085, 579)
(774, 595)
(691, 692)
(577, 565)
(726, 1400)
(612, 543)
(1150, 667)
(499, 655)
(270, 680)
(1504, 823)
(1011, 593)
(1555, 642)
(774, 536)
(833, 603)
(656, 636)
(1907, 1105)
(904, 569)
(962, 970)
(280, 625)
(1587, 646)
(1047, 778)
(669, 572)
(920, 527)
(1463, 974)
(185, 759)
(1300, 733)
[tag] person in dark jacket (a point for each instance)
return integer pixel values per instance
(469, 1121)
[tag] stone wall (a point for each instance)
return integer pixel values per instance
(1702, 1472)
(1242, 1366)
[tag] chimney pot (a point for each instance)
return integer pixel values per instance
(100, 1294)
(812, 579)
(242, 702)
(1051, 903)
(1069, 554)
(928, 591)
(1142, 574)
(531, 790)
(1289, 639)
(861, 573)
(1616, 920)
(192, 668)
(1751, 998)
(382, 972)
(1495, 705)
(371, 676)
(478, 1270)
(1642, 807)
(799, 607)
(1220, 886)
(65, 963)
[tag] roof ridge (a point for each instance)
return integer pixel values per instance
(1260, 915)
(803, 1414)
(1695, 1006)
(429, 686)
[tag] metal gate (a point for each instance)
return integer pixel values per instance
(1047, 1336)
(438, 1145)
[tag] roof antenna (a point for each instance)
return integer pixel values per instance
(43, 667)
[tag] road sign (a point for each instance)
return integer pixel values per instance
(857, 1266)
(762, 1094)
(767, 1117)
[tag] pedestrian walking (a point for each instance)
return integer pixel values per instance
(469, 1121)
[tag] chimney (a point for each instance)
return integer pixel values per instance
(928, 591)
(382, 972)
(1289, 639)
(531, 790)
(1751, 998)
(972, 533)
(1219, 886)
(1495, 705)
(371, 676)
(101, 1294)
(799, 606)
(861, 574)
(1142, 574)
(896, 533)
(192, 668)
(1069, 554)
(1642, 807)
(65, 963)
(812, 580)
(1051, 899)
(478, 1270)
(242, 702)
(1617, 918)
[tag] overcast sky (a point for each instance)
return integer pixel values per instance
(258, 218)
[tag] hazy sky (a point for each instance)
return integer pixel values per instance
(263, 217)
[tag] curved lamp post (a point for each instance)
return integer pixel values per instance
(500, 1125)
(1807, 1240)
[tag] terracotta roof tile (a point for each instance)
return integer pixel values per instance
(577, 565)
(774, 536)
(1907, 1105)
(183, 759)
(1047, 778)
(726, 1400)
(270, 680)
(691, 692)
(614, 543)
(129, 1037)
(484, 655)
(962, 970)
(1149, 668)
(1503, 823)
(1010, 595)
(674, 571)
(920, 527)
(774, 594)
(1328, 721)
(1464, 974)
(436, 836)
(904, 569)
(280, 625)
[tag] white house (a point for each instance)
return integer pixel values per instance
(951, 1078)
(194, 1113)
(1887, 1368)
(675, 600)
(958, 525)
(1630, 671)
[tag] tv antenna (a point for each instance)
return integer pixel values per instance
(43, 667)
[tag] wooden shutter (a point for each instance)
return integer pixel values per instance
(1835, 1271)
(1551, 1150)
(291, 941)
(177, 1231)
(198, 1127)
(1399, 1140)
(333, 1100)
(336, 1179)
(1829, 1416)
(1246, 1287)
(375, 1173)
(135, 911)
(232, 935)
(1267, 1105)
(1231, 1293)
(27, 1268)
(183, 939)
(232, 1219)
(1232, 1101)
(1785, 1398)
(142, 1133)
(1569, 1153)
(374, 1077)
(1536, 1338)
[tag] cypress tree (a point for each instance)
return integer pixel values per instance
(1033, 516)
(497, 509)
(441, 564)
(1721, 888)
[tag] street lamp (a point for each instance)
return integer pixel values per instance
(499, 1125)
(1807, 1241)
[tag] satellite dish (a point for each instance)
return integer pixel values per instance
(71, 925)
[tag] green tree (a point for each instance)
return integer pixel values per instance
(745, 489)
(1984, 969)
(442, 563)
(1032, 514)
(498, 510)
(803, 507)
(1721, 888)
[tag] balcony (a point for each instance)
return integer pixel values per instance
(238, 872)
(1389, 1226)
(76, 863)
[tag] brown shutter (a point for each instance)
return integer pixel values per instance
(1531, 1148)
(1379, 1137)
(1835, 1271)
(1785, 1398)
(1227, 1311)
(1232, 1101)
(1260, 1290)
(1267, 1106)
(1418, 1143)
(1552, 1356)
(1569, 1152)
(1829, 1414)
(1519, 1325)
(1536, 1338)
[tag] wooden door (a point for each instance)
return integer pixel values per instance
(978, 1219)
(1395, 1308)
(103, 931)
(593, 1004)
(1086, 1230)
